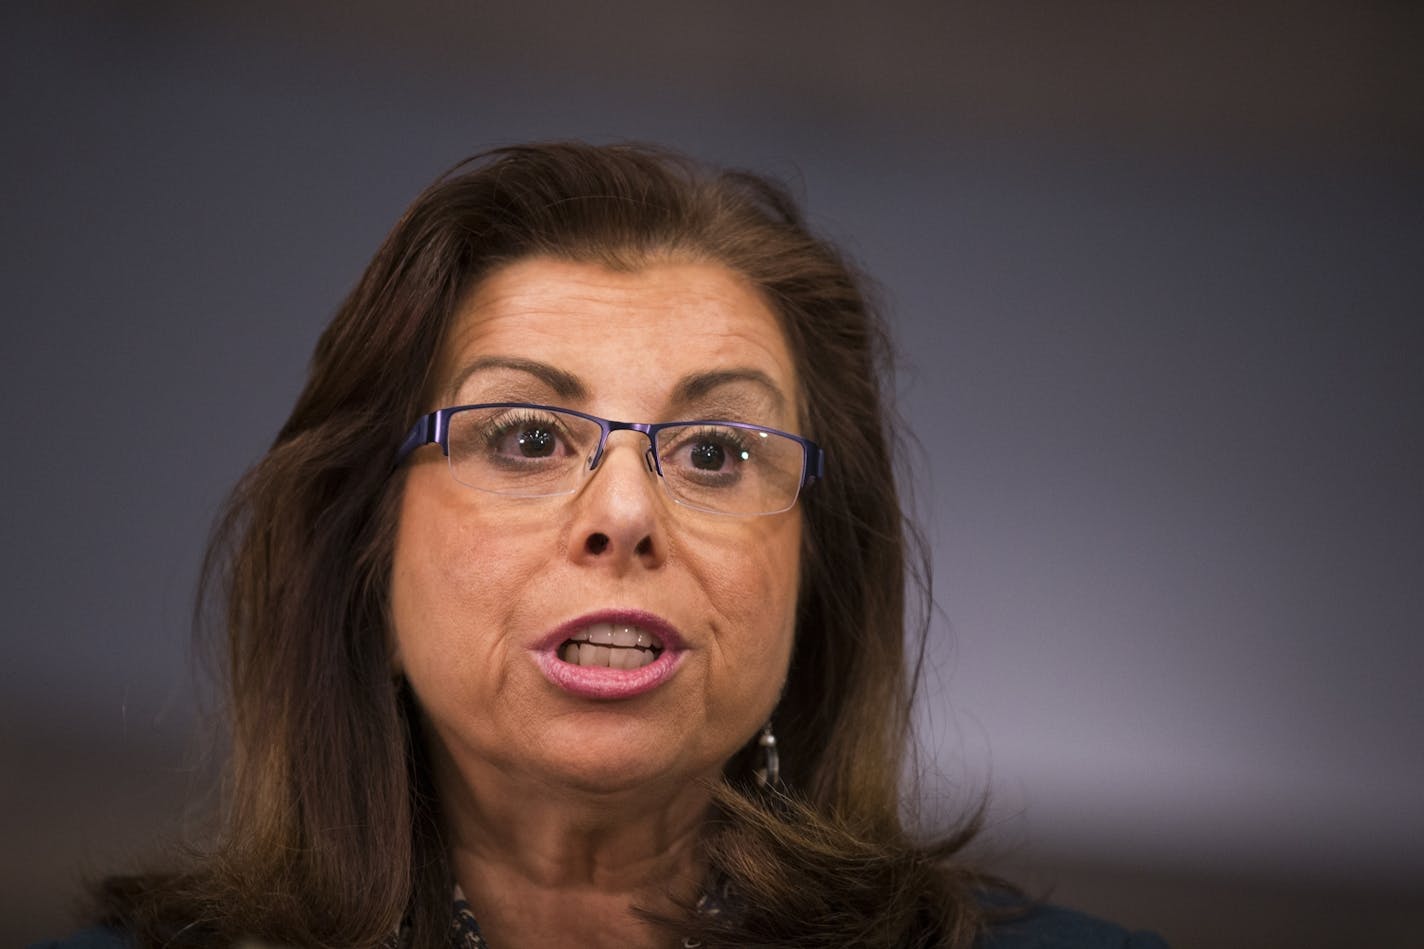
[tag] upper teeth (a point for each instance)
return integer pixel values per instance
(613, 645)
(615, 634)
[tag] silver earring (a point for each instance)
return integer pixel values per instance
(770, 771)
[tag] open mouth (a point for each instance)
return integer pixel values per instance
(612, 646)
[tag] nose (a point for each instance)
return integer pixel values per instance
(618, 519)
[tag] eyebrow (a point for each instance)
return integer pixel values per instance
(567, 386)
(698, 386)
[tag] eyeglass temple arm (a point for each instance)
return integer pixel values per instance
(815, 465)
(425, 430)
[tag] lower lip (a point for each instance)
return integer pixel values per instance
(602, 682)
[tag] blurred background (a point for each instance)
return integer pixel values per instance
(1155, 271)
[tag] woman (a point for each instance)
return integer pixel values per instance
(510, 665)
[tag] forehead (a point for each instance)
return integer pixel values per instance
(630, 338)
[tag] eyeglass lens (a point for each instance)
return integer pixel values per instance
(535, 452)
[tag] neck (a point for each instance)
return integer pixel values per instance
(544, 865)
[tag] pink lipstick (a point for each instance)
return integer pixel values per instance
(611, 654)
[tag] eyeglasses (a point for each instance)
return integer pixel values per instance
(519, 449)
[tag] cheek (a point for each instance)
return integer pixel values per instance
(455, 577)
(752, 587)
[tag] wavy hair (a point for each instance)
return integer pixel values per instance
(331, 831)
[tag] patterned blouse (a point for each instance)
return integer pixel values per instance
(464, 931)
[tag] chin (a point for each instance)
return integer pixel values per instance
(614, 775)
(616, 763)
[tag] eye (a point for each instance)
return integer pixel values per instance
(531, 441)
(708, 456)
(518, 436)
(707, 451)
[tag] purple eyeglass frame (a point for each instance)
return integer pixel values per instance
(434, 428)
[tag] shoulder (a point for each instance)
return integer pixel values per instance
(97, 938)
(1053, 927)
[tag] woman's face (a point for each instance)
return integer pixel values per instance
(487, 590)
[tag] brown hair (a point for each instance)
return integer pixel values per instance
(331, 834)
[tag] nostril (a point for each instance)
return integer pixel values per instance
(645, 547)
(597, 543)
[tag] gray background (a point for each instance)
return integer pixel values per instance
(1155, 272)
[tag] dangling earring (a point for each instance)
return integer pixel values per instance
(770, 771)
